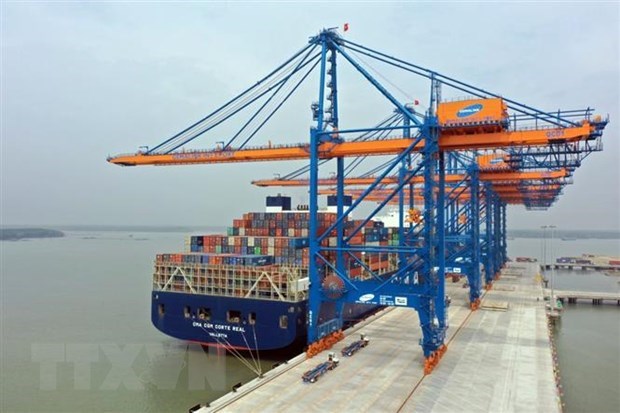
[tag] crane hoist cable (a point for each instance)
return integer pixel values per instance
(254, 92)
(253, 89)
(265, 118)
(232, 111)
(385, 78)
(269, 102)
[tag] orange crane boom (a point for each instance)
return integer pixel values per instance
(328, 150)
(451, 178)
(505, 192)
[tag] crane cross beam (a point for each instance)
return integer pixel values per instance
(328, 150)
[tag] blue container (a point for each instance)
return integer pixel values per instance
(299, 242)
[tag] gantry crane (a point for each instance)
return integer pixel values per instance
(487, 121)
(508, 184)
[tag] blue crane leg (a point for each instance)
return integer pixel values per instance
(473, 275)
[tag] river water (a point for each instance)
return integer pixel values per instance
(587, 336)
(76, 332)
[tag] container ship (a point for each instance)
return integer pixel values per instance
(248, 289)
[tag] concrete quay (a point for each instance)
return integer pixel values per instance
(498, 360)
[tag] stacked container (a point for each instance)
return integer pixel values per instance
(279, 238)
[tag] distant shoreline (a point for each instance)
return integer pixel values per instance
(565, 234)
(131, 228)
(17, 234)
(26, 232)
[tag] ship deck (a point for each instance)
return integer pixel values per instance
(498, 359)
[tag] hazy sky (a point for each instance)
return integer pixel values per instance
(81, 81)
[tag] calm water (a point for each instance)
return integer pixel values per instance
(587, 337)
(77, 336)
(76, 331)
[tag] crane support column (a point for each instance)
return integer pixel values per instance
(473, 275)
(489, 269)
(432, 311)
(314, 301)
(401, 195)
(497, 234)
(332, 85)
(504, 235)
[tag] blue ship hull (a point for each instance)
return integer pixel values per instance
(242, 323)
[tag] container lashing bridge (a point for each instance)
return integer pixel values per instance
(454, 168)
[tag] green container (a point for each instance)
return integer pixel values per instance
(257, 251)
(218, 249)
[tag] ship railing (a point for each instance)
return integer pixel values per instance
(279, 283)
